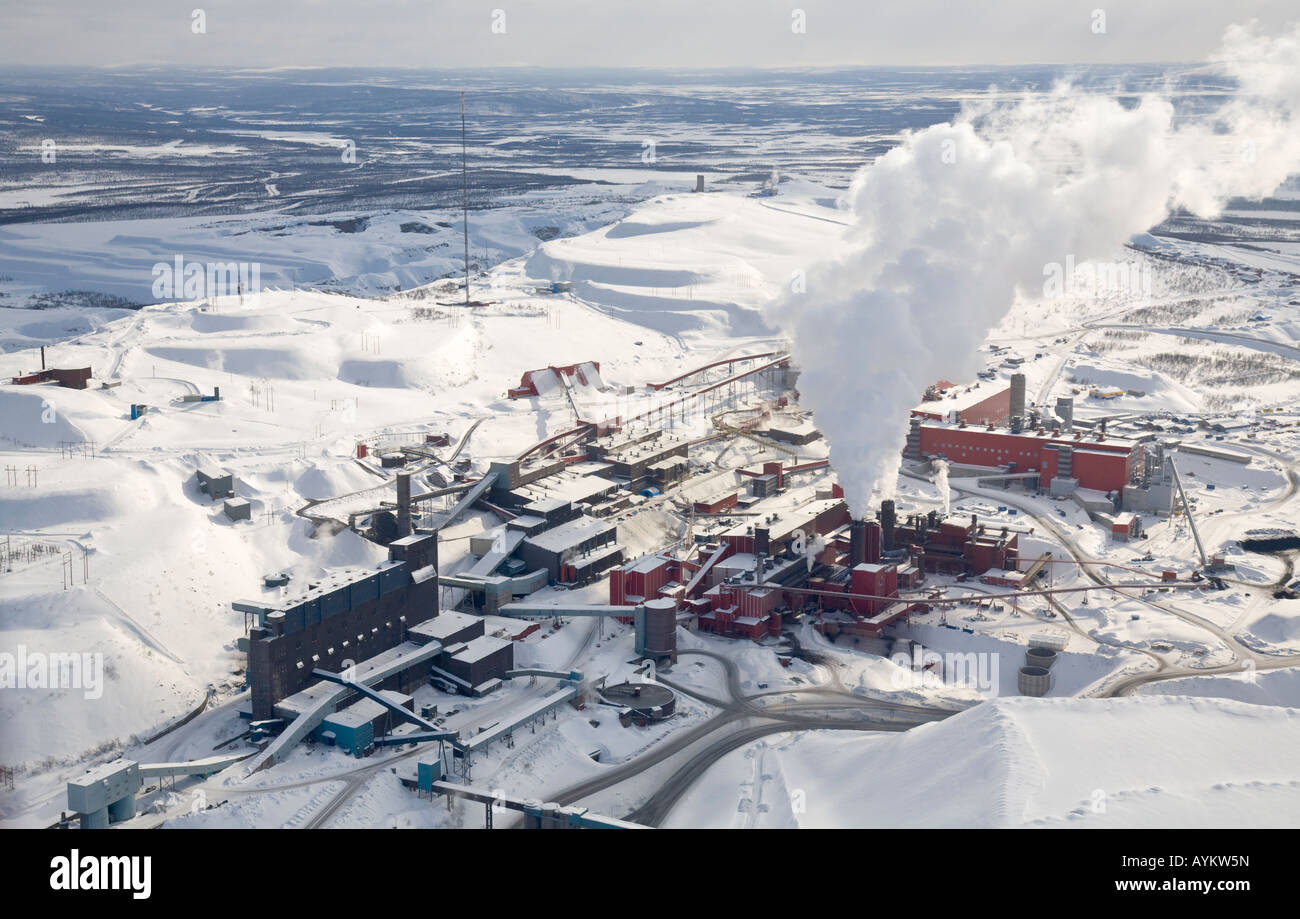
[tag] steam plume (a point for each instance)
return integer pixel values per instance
(941, 482)
(962, 217)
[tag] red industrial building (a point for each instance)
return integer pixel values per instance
(585, 372)
(75, 378)
(642, 579)
(1098, 462)
(718, 504)
(973, 404)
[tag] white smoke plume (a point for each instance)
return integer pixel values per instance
(961, 217)
(941, 483)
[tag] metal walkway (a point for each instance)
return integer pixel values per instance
(536, 811)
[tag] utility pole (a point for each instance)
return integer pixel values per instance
(464, 181)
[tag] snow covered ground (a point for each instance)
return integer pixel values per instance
(1021, 763)
(119, 554)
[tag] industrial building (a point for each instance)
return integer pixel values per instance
(955, 545)
(215, 483)
(640, 462)
(548, 379)
(574, 552)
(448, 628)
(798, 433)
(355, 728)
(1062, 462)
(106, 794)
(347, 617)
(75, 378)
(238, 509)
(974, 404)
(479, 664)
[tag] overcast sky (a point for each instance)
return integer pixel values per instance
(654, 33)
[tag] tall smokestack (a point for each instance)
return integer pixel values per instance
(887, 519)
(914, 439)
(1017, 395)
(403, 504)
(1065, 411)
(857, 543)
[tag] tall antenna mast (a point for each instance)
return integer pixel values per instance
(464, 179)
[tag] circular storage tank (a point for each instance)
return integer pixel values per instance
(659, 637)
(642, 703)
(1040, 657)
(275, 621)
(1034, 681)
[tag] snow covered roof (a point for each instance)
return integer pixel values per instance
(444, 625)
(473, 651)
(570, 534)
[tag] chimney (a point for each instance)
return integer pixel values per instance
(887, 518)
(1017, 395)
(403, 504)
(857, 543)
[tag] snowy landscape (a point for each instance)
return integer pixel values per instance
(750, 289)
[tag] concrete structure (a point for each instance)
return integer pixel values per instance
(1153, 492)
(347, 617)
(355, 728)
(1065, 412)
(238, 509)
(642, 703)
(655, 623)
(1042, 658)
(401, 667)
(447, 628)
(106, 794)
(1034, 681)
(574, 552)
(1016, 407)
(478, 661)
(799, 433)
(215, 483)
(1123, 526)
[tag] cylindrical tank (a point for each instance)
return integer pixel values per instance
(1040, 657)
(275, 621)
(1034, 681)
(656, 631)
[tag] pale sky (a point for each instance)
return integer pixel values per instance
(605, 33)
